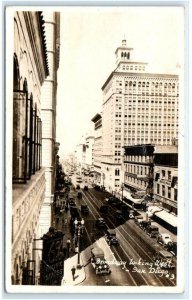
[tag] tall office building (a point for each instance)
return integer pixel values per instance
(138, 108)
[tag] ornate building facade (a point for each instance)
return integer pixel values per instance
(30, 69)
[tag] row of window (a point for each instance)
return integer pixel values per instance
(153, 140)
(167, 192)
(27, 135)
(135, 169)
(148, 84)
(134, 91)
(137, 182)
(118, 122)
(138, 158)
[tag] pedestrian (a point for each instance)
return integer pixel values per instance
(73, 272)
(68, 246)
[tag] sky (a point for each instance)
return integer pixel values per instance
(89, 37)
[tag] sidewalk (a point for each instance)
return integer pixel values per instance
(79, 273)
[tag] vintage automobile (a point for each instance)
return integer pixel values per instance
(103, 209)
(130, 213)
(119, 216)
(172, 247)
(100, 223)
(163, 259)
(138, 219)
(85, 188)
(144, 224)
(164, 239)
(98, 262)
(152, 231)
(84, 209)
(111, 238)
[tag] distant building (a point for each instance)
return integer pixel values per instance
(138, 108)
(97, 149)
(89, 141)
(80, 153)
(166, 176)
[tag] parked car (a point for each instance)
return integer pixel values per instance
(152, 231)
(118, 204)
(138, 219)
(131, 213)
(111, 238)
(84, 209)
(97, 187)
(124, 209)
(164, 259)
(111, 200)
(144, 224)
(172, 247)
(100, 223)
(164, 239)
(85, 188)
(119, 216)
(103, 209)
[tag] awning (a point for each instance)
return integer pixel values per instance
(167, 217)
(136, 201)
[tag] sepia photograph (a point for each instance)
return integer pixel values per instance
(95, 149)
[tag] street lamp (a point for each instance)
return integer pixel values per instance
(122, 188)
(103, 181)
(78, 230)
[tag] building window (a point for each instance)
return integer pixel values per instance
(27, 134)
(163, 173)
(163, 190)
(169, 175)
(157, 188)
(116, 172)
(169, 192)
(175, 194)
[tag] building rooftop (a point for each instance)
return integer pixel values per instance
(166, 149)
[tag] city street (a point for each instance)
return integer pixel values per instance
(131, 262)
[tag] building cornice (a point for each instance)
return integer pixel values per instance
(142, 75)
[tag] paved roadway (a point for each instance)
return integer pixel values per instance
(131, 262)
